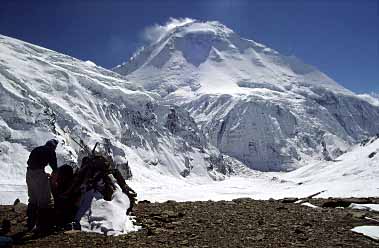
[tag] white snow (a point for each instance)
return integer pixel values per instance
(307, 204)
(197, 52)
(367, 207)
(90, 63)
(106, 217)
(372, 98)
(370, 231)
(354, 170)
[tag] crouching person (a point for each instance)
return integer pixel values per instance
(40, 199)
(97, 174)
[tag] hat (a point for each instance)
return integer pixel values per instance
(52, 143)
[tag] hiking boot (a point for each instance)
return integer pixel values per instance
(32, 216)
(73, 226)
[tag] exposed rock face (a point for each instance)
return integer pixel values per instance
(277, 134)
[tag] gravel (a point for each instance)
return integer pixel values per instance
(237, 223)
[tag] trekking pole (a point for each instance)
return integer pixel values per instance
(84, 147)
(94, 148)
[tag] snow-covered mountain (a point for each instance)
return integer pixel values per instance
(270, 111)
(45, 94)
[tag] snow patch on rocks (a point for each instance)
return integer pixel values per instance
(106, 217)
(367, 207)
(369, 231)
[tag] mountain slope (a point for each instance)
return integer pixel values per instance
(45, 94)
(353, 174)
(357, 171)
(208, 57)
(270, 111)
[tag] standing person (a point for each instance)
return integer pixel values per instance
(37, 180)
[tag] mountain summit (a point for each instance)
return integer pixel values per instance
(208, 57)
(270, 111)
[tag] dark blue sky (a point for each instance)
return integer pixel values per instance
(340, 37)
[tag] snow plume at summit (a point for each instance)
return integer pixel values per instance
(156, 32)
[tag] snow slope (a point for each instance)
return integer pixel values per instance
(353, 174)
(45, 94)
(270, 111)
(208, 57)
(356, 170)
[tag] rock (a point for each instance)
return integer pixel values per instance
(218, 221)
(298, 231)
(289, 200)
(185, 173)
(157, 231)
(372, 155)
(333, 203)
(358, 215)
(258, 237)
(149, 232)
(17, 201)
(149, 222)
(336, 203)
(242, 200)
(184, 242)
(19, 208)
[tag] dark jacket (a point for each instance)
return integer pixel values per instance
(41, 156)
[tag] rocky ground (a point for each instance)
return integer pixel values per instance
(237, 223)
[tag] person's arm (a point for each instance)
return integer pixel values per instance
(121, 182)
(53, 161)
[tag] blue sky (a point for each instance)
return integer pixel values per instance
(340, 37)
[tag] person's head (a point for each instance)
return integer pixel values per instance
(53, 143)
